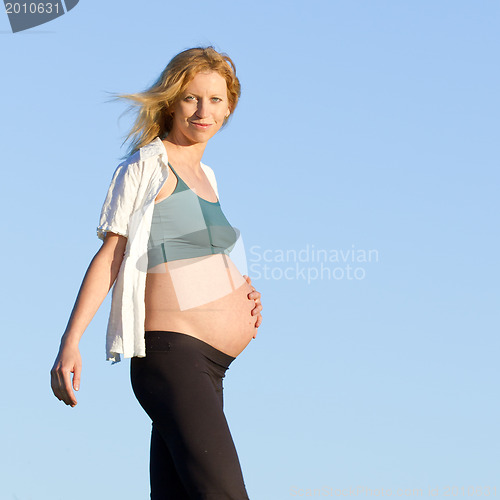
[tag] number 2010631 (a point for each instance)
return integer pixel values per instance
(33, 8)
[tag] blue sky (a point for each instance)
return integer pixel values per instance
(362, 126)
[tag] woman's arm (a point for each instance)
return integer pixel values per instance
(98, 280)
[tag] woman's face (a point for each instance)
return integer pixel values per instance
(201, 110)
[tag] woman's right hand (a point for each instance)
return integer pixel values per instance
(68, 361)
(96, 284)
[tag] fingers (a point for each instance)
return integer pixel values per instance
(76, 377)
(61, 386)
(257, 309)
(258, 306)
(259, 321)
(256, 312)
(255, 295)
(69, 395)
(60, 375)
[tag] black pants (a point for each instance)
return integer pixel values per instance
(179, 385)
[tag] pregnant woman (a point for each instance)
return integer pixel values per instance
(181, 310)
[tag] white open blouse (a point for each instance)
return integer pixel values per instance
(128, 211)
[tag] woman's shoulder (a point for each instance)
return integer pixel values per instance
(208, 171)
(138, 160)
(206, 167)
(151, 150)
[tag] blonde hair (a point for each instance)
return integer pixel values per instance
(155, 103)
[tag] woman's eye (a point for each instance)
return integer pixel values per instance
(190, 97)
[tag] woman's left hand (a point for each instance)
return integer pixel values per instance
(255, 296)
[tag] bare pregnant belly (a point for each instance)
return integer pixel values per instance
(205, 297)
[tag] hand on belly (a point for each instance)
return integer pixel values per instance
(206, 298)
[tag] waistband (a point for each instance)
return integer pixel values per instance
(161, 340)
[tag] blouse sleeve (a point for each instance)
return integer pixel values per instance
(120, 200)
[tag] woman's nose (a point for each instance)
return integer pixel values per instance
(202, 109)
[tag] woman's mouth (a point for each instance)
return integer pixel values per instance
(203, 126)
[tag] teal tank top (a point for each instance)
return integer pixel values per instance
(186, 226)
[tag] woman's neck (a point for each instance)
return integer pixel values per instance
(188, 156)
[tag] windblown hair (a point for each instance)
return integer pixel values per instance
(155, 103)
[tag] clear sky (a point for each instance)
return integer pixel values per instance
(362, 168)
